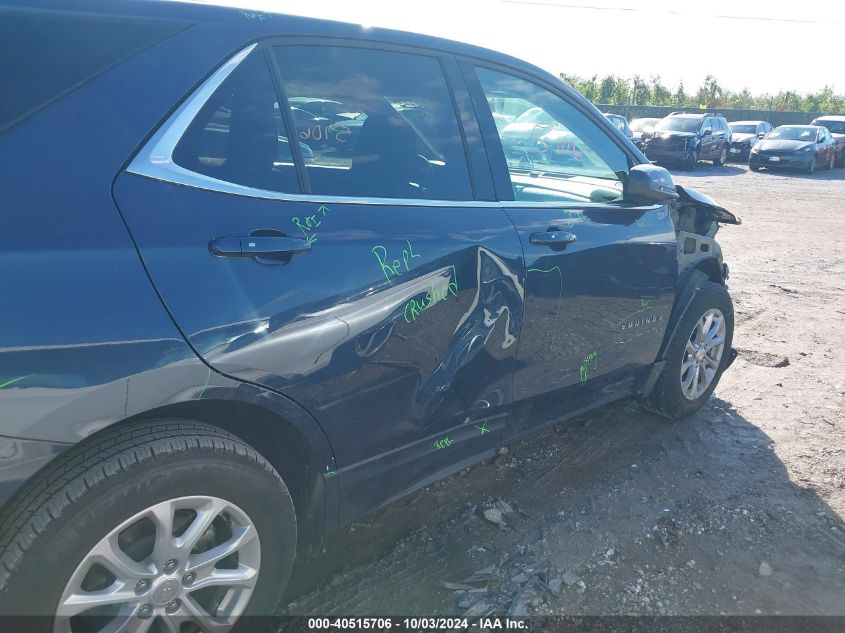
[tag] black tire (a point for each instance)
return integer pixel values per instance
(840, 162)
(666, 398)
(59, 516)
(831, 161)
(723, 156)
(692, 161)
(811, 168)
(754, 167)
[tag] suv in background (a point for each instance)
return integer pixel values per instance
(687, 138)
(744, 136)
(835, 124)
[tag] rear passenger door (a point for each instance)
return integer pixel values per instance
(600, 273)
(340, 258)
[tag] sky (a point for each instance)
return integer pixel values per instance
(765, 46)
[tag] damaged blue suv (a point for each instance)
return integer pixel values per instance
(263, 274)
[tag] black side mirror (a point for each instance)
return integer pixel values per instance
(707, 133)
(761, 135)
(649, 184)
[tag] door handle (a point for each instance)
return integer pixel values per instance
(553, 236)
(257, 246)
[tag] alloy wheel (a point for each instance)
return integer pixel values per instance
(186, 564)
(703, 354)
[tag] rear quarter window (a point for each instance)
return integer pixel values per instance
(45, 54)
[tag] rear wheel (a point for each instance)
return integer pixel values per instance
(149, 528)
(697, 355)
(840, 162)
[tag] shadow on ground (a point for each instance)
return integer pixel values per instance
(619, 512)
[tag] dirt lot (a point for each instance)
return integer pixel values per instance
(738, 510)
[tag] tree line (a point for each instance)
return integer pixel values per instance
(614, 90)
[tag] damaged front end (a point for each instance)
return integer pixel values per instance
(696, 217)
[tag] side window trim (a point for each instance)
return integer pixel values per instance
(154, 159)
(287, 117)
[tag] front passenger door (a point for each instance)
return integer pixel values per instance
(599, 272)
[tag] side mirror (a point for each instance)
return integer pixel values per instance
(649, 184)
(761, 135)
(707, 133)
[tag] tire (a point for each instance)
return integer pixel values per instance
(723, 157)
(832, 161)
(692, 161)
(667, 398)
(840, 162)
(754, 167)
(811, 168)
(52, 525)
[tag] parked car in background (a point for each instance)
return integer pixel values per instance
(519, 138)
(642, 129)
(211, 357)
(687, 138)
(744, 136)
(802, 147)
(620, 122)
(835, 124)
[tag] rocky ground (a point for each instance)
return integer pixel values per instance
(738, 510)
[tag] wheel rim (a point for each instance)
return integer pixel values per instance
(191, 559)
(724, 155)
(703, 354)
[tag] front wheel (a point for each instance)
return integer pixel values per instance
(692, 161)
(811, 168)
(149, 527)
(722, 158)
(698, 353)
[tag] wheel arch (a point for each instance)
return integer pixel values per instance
(284, 435)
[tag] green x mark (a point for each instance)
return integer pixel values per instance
(483, 428)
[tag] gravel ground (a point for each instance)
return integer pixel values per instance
(738, 510)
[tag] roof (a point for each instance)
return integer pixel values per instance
(264, 23)
(831, 117)
(745, 122)
(692, 115)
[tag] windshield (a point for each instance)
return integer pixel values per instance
(793, 133)
(678, 124)
(638, 125)
(835, 127)
(534, 115)
(749, 128)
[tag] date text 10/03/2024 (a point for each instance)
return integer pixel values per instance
(419, 623)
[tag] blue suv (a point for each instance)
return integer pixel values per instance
(263, 274)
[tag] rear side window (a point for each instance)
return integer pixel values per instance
(239, 136)
(45, 54)
(374, 123)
